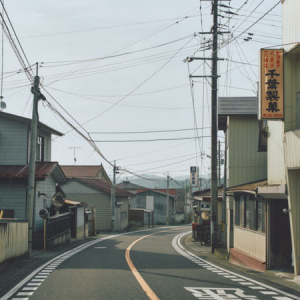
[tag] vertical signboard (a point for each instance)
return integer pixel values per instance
(271, 76)
(194, 175)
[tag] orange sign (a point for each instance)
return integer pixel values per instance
(271, 83)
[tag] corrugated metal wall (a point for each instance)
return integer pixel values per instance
(245, 163)
(13, 239)
(13, 196)
(13, 142)
(101, 202)
(290, 23)
(276, 168)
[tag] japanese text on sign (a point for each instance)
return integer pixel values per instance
(271, 84)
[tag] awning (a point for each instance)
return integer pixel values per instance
(261, 189)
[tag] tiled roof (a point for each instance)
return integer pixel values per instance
(81, 171)
(104, 186)
(42, 170)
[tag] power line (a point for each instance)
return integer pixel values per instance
(142, 132)
(150, 140)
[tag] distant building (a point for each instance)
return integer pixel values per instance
(82, 171)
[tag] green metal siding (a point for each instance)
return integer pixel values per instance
(245, 163)
(13, 196)
(13, 142)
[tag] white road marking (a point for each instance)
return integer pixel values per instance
(268, 293)
(60, 258)
(25, 294)
(181, 250)
(39, 280)
(34, 283)
(30, 288)
(100, 247)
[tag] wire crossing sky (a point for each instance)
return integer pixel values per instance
(118, 68)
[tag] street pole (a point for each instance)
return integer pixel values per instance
(214, 131)
(167, 204)
(113, 198)
(31, 168)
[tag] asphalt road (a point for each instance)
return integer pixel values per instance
(141, 265)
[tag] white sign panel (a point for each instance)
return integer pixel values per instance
(194, 176)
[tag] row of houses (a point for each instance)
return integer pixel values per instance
(71, 195)
(260, 212)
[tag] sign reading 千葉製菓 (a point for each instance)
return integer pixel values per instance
(271, 76)
(194, 175)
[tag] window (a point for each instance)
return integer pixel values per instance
(261, 208)
(242, 211)
(40, 149)
(237, 212)
(250, 212)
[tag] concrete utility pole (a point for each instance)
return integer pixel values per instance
(214, 131)
(113, 198)
(31, 168)
(214, 120)
(167, 204)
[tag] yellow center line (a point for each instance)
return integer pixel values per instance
(135, 272)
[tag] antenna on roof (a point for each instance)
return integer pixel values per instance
(74, 153)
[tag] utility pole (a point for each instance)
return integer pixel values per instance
(113, 198)
(31, 168)
(214, 131)
(167, 204)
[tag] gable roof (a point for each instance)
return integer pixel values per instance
(42, 171)
(127, 185)
(80, 171)
(172, 192)
(155, 191)
(102, 186)
(28, 122)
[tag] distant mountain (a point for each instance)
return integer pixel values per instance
(158, 182)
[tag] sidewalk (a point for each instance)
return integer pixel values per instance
(284, 279)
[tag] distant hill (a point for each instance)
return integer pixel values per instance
(158, 182)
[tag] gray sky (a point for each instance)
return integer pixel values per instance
(120, 63)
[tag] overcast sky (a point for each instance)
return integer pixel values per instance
(117, 66)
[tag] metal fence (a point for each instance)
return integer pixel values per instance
(58, 225)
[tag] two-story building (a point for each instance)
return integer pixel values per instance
(14, 157)
(246, 169)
